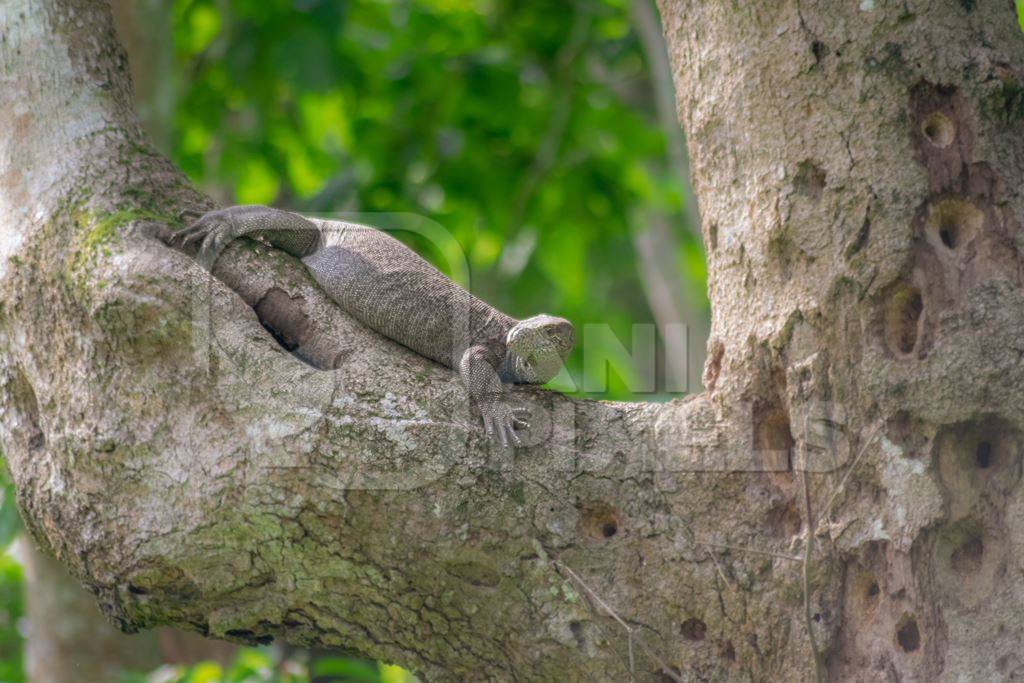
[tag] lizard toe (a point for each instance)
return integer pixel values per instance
(194, 233)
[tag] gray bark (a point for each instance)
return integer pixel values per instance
(191, 472)
(69, 637)
(859, 171)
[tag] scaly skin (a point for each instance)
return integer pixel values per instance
(391, 289)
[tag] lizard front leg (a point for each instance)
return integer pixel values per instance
(283, 230)
(488, 394)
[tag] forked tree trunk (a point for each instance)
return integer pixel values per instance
(857, 176)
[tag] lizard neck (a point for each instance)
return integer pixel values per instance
(507, 372)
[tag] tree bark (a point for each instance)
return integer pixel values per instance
(190, 471)
(859, 171)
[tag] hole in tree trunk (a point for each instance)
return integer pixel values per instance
(810, 179)
(907, 635)
(966, 559)
(955, 222)
(599, 521)
(903, 316)
(286, 321)
(983, 455)
(938, 129)
(694, 629)
(773, 439)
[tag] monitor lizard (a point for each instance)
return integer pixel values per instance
(391, 289)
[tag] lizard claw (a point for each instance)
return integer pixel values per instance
(519, 416)
(212, 231)
(200, 228)
(185, 214)
(501, 422)
(192, 232)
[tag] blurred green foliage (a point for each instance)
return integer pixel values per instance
(262, 665)
(11, 582)
(527, 130)
(11, 613)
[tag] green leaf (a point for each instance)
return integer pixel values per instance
(11, 611)
(251, 664)
(1020, 14)
(10, 520)
(257, 183)
(353, 670)
(205, 672)
(389, 673)
(204, 25)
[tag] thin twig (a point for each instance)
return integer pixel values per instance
(630, 631)
(819, 664)
(842, 482)
(812, 525)
(632, 663)
(721, 573)
(718, 566)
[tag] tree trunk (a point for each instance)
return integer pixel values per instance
(852, 173)
(145, 30)
(859, 171)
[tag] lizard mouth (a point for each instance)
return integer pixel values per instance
(540, 366)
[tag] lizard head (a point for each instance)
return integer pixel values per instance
(537, 348)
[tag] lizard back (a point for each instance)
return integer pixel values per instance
(394, 291)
